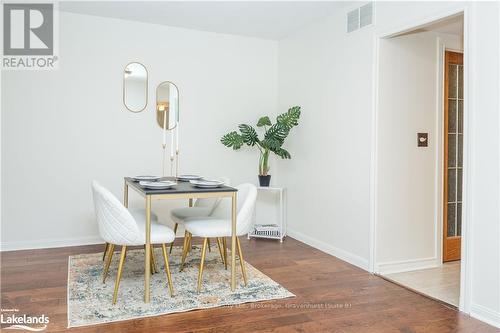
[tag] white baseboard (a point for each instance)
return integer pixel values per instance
(484, 314)
(48, 243)
(406, 265)
(351, 258)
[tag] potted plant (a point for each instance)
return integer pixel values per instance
(274, 137)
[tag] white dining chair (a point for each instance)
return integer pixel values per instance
(202, 207)
(137, 213)
(218, 224)
(118, 227)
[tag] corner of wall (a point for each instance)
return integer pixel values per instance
(344, 255)
(484, 314)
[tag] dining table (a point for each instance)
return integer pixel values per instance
(182, 190)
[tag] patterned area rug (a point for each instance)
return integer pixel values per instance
(90, 301)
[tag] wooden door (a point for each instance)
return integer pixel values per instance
(453, 151)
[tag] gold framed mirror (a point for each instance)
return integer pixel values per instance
(135, 87)
(167, 105)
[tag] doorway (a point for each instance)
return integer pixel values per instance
(418, 164)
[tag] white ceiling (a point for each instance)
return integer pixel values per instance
(263, 19)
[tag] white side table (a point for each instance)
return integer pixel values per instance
(282, 216)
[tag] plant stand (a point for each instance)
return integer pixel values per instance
(281, 231)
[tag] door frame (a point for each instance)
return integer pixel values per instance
(467, 175)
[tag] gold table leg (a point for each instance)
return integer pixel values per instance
(233, 243)
(224, 250)
(147, 260)
(189, 248)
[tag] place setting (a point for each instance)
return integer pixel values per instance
(154, 182)
(200, 181)
(206, 183)
(160, 183)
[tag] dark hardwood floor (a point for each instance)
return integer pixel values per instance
(332, 296)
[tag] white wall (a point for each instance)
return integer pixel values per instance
(323, 69)
(409, 215)
(484, 214)
(62, 129)
(330, 73)
(406, 176)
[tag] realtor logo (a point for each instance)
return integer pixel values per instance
(28, 36)
(28, 29)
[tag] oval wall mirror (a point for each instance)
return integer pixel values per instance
(167, 105)
(135, 87)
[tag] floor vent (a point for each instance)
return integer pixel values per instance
(360, 17)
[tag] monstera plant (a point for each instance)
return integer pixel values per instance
(274, 137)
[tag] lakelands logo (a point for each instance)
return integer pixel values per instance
(29, 40)
(15, 321)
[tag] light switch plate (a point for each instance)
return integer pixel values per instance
(422, 139)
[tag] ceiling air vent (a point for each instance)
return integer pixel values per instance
(360, 17)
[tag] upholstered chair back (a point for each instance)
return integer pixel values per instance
(116, 224)
(246, 199)
(210, 202)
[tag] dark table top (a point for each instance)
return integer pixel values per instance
(181, 187)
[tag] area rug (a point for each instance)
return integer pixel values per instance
(90, 300)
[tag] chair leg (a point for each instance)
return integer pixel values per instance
(111, 249)
(186, 249)
(119, 275)
(105, 251)
(209, 249)
(167, 268)
(200, 273)
(184, 242)
(187, 242)
(152, 264)
(153, 260)
(219, 245)
(175, 233)
(224, 245)
(190, 245)
(242, 262)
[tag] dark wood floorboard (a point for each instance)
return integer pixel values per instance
(332, 296)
